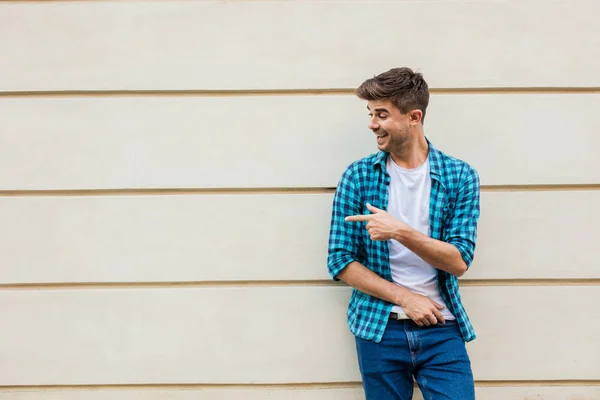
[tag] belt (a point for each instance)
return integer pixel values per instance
(396, 316)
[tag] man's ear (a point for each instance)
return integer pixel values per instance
(415, 116)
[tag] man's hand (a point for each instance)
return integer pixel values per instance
(380, 224)
(422, 309)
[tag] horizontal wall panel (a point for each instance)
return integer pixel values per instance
(266, 237)
(280, 141)
(487, 393)
(116, 142)
(543, 234)
(275, 335)
(511, 139)
(539, 393)
(518, 338)
(189, 394)
(300, 44)
(164, 238)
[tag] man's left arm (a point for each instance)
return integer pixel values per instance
(454, 253)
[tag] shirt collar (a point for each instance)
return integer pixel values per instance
(434, 159)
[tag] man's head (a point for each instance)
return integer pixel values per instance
(397, 101)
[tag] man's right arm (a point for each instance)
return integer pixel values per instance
(362, 278)
(420, 309)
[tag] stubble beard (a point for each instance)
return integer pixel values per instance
(399, 143)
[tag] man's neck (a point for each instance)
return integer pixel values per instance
(413, 154)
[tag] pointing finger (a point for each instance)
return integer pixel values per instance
(358, 218)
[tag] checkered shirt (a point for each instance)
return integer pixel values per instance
(453, 215)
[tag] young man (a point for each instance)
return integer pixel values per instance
(403, 230)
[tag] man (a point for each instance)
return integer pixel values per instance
(403, 229)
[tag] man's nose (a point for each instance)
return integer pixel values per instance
(373, 124)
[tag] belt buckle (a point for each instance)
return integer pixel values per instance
(398, 316)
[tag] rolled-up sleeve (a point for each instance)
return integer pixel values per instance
(461, 226)
(344, 237)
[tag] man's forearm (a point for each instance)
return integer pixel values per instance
(360, 277)
(383, 226)
(438, 254)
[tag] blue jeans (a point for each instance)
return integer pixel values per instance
(435, 356)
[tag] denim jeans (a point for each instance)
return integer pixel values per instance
(435, 356)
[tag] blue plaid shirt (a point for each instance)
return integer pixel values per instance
(453, 217)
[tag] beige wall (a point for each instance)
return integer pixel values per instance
(166, 177)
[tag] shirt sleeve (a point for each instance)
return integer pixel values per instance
(344, 237)
(461, 226)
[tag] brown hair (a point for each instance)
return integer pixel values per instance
(405, 88)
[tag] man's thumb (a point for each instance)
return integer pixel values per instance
(439, 306)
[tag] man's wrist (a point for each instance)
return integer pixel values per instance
(402, 296)
(402, 233)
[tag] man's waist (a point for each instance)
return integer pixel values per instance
(400, 316)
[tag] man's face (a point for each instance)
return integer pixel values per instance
(390, 126)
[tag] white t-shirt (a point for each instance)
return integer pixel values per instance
(409, 193)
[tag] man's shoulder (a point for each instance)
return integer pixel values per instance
(454, 168)
(362, 166)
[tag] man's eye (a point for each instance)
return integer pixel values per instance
(382, 116)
